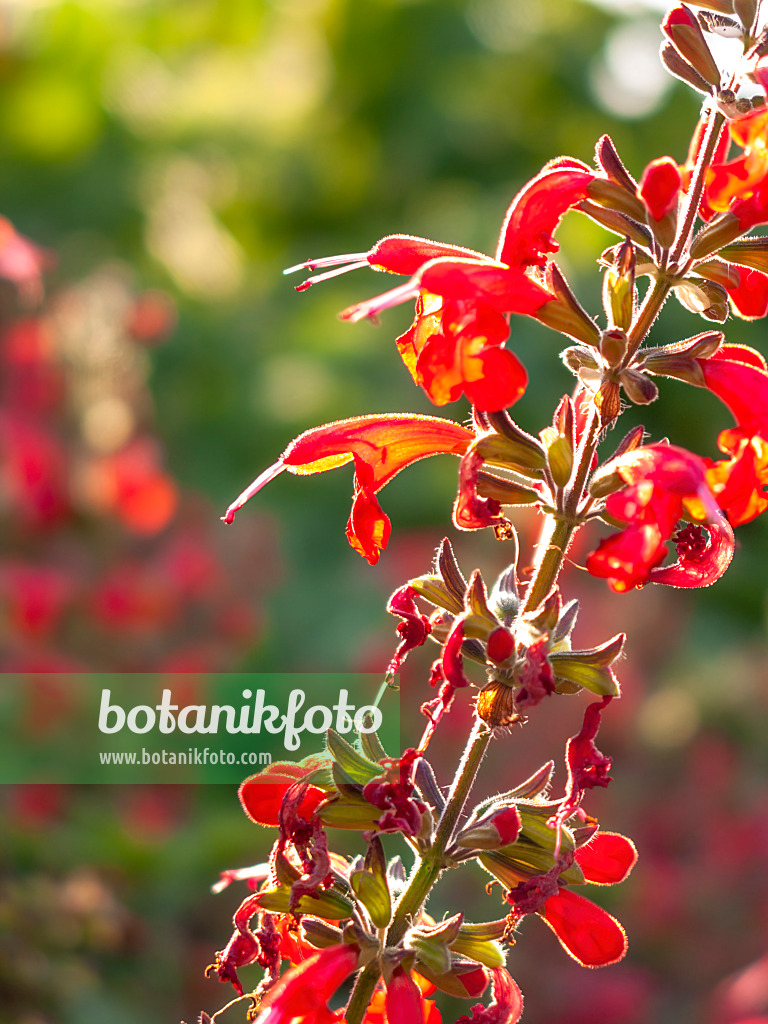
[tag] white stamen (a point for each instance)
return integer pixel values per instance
(248, 493)
(357, 258)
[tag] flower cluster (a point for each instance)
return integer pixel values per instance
(684, 228)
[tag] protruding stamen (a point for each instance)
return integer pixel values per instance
(329, 274)
(357, 258)
(371, 308)
(248, 493)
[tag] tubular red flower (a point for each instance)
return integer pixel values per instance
(661, 480)
(403, 999)
(740, 186)
(380, 447)
(303, 991)
(592, 936)
(506, 1006)
(660, 186)
(749, 298)
(737, 375)
(607, 858)
(261, 795)
(463, 297)
(526, 236)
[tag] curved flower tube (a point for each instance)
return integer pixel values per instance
(380, 447)
(661, 481)
(463, 298)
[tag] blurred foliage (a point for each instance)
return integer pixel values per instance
(209, 144)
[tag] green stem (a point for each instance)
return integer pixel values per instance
(552, 547)
(427, 871)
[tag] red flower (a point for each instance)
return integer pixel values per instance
(380, 446)
(592, 936)
(463, 297)
(301, 994)
(661, 481)
(506, 1006)
(261, 795)
(425, 1012)
(738, 376)
(660, 186)
(23, 262)
(740, 186)
(749, 298)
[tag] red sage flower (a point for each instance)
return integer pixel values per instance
(464, 298)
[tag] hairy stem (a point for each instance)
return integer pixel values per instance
(696, 187)
(428, 869)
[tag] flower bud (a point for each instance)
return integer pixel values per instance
(499, 828)
(501, 645)
(682, 27)
(609, 160)
(619, 288)
(746, 11)
(659, 190)
(617, 222)
(613, 346)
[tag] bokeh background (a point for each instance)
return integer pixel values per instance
(171, 157)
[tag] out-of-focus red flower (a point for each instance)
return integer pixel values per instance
(380, 446)
(660, 480)
(738, 376)
(132, 486)
(135, 597)
(32, 382)
(261, 795)
(33, 471)
(301, 994)
(152, 317)
(463, 298)
(22, 262)
(35, 596)
(740, 186)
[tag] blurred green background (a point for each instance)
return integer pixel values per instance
(190, 150)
